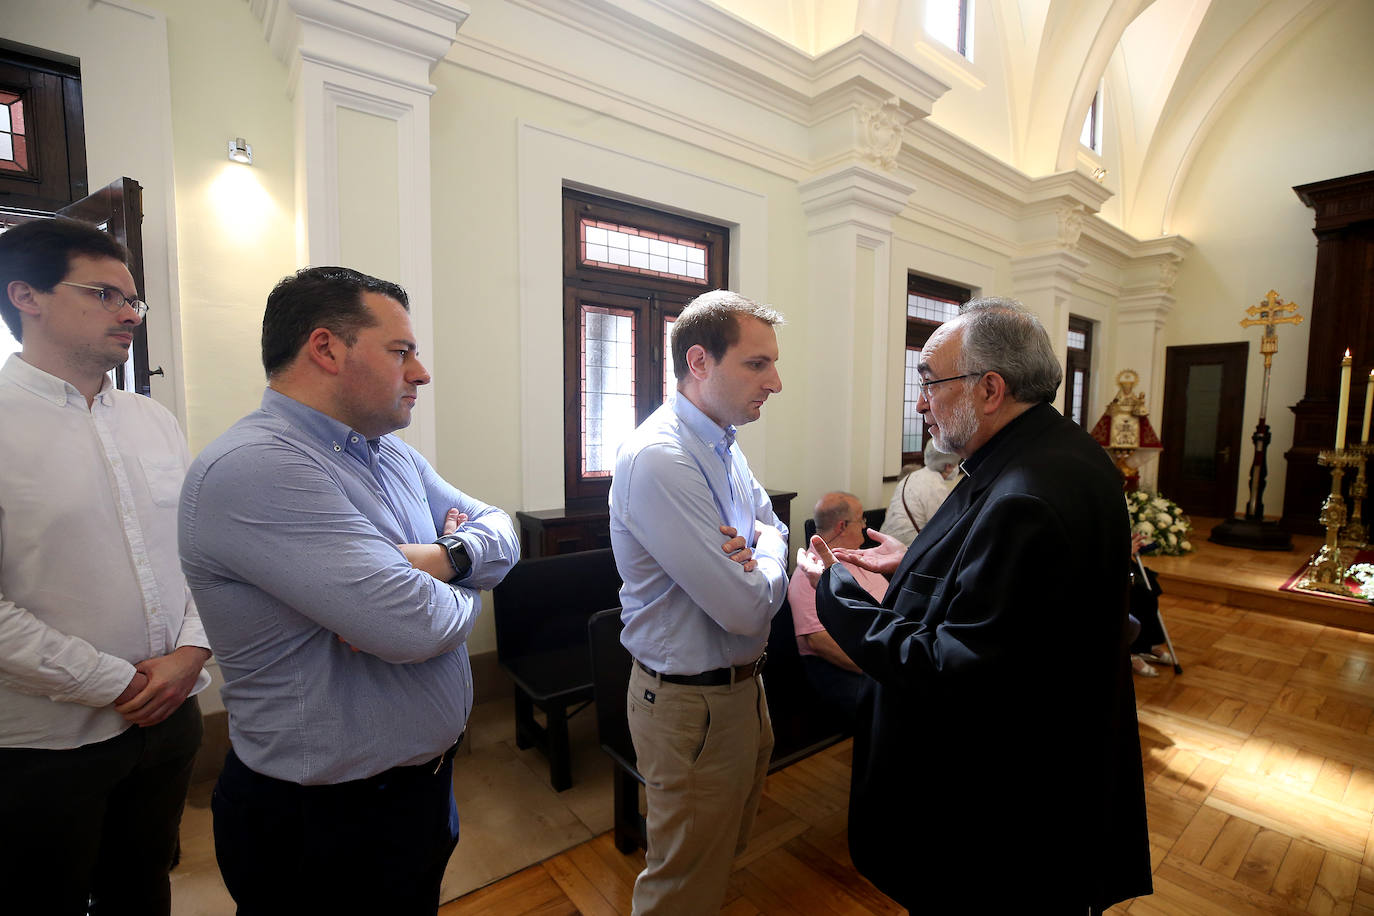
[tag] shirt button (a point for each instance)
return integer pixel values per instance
(353, 439)
(338, 447)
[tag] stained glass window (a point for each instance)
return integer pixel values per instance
(669, 378)
(929, 304)
(641, 251)
(608, 393)
(913, 427)
(14, 140)
(628, 271)
(931, 308)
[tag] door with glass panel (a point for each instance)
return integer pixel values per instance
(1204, 397)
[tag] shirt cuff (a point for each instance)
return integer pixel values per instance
(112, 675)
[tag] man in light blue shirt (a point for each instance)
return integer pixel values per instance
(697, 611)
(308, 535)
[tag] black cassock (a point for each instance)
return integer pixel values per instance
(997, 759)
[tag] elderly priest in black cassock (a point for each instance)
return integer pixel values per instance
(993, 774)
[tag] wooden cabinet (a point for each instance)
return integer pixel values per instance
(549, 532)
(1342, 315)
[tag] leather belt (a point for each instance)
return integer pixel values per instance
(715, 678)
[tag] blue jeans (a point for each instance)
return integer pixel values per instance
(377, 845)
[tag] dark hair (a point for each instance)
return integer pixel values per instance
(39, 253)
(1003, 336)
(318, 297)
(712, 320)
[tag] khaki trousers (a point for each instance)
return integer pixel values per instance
(703, 753)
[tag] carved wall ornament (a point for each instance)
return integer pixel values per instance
(1071, 225)
(1168, 273)
(883, 126)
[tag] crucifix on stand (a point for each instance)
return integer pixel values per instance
(1253, 532)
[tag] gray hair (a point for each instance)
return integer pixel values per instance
(1003, 336)
(937, 460)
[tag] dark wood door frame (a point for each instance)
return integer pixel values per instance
(1217, 496)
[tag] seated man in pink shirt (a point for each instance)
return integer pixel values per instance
(839, 520)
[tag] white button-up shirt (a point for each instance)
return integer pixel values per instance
(90, 581)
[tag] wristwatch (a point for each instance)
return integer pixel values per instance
(457, 554)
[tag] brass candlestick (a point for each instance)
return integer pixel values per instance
(1326, 572)
(1356, 535)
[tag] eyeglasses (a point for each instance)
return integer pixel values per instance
(925, 386)
(112, 299)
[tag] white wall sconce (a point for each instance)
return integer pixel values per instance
(240, 151)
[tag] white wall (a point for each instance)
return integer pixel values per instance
(1305, 118)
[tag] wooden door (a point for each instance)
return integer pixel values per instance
(1204, 396)
(117, 209)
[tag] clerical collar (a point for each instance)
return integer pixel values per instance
(971, 464)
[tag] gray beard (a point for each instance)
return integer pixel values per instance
(953, 436)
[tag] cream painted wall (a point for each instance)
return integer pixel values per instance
(1306, 118)
(475, 124)
(235, 224)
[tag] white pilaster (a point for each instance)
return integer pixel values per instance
(849, 213)
(375, 61)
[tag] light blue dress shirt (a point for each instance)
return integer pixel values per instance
(688, 607)
(288, 533)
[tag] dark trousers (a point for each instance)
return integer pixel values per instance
(98, 821)
(839, 687)
(376, 845)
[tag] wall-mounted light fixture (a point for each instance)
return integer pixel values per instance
(240, 151)
(1099, 173)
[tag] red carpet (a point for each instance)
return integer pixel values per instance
(1352, 556)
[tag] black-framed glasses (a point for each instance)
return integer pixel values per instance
(925, 386)
(112, 299)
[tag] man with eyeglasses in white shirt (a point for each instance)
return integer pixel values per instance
(101, 648)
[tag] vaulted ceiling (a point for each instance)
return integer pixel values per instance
(1168, 69)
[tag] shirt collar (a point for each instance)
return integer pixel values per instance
(337, 437)
(49, 387)
(717, 439)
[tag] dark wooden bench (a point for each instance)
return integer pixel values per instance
(541, 611)
(802, 724)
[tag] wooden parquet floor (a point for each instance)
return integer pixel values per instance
(1259, 770)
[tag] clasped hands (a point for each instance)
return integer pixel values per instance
(737, 549)
(817, 557)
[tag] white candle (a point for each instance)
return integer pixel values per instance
(1368, 403)
(1343, 409)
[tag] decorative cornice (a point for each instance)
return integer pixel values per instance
(854, 195)
(1058, 270)
(396, 41)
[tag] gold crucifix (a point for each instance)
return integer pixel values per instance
(1270, 313)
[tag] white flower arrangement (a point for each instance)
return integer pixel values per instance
(1363, 573)
(1162, 523)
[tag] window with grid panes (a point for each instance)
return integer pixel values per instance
(627, 273)
(929, 304)
(1078, 369)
